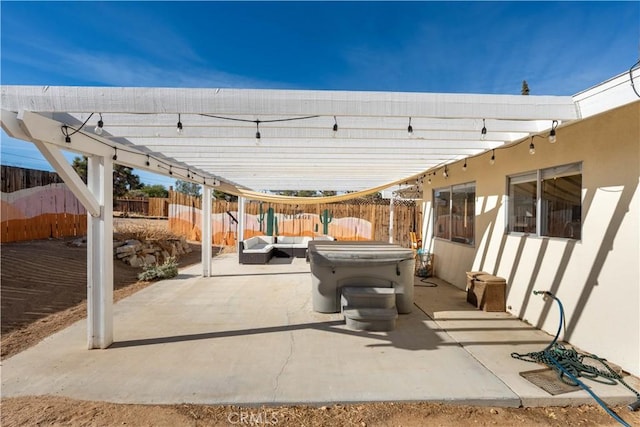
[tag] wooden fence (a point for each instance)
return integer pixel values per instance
(151, 206)
(15, 179)
(37, 205)
(357, 220)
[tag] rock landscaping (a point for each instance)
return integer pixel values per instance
(139, 253)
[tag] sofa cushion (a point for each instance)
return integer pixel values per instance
(248, 243)
(284, 240)
(293, 240)
(257, 242)
(259, 248)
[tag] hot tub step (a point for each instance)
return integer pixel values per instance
(368, 297)
(371, 319)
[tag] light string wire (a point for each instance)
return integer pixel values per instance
(631, 70)
(161, 163)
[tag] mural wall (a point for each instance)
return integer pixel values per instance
(49, 211)
(342, 221)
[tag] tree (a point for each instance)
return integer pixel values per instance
(157, 190)
(224, 196)
(124, 180)
(80, 166)
(189, 188)
(525, 88)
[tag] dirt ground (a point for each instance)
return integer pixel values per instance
(44, 290)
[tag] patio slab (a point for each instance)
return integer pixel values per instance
(248, 336)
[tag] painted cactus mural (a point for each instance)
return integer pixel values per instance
(260, 217)
(325, 218)
(271, 221)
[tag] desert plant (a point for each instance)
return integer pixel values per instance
(166, 270)
(144, 230)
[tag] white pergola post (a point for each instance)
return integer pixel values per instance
(391, 219)
(100, 254)
(206, 231)
(241, 219)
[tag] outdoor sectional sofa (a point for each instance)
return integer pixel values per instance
(260, 249)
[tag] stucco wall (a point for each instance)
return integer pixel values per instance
(596, 278)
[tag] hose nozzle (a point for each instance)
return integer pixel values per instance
(542, 293)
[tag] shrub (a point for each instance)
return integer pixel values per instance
(143, 230)
(166, 270)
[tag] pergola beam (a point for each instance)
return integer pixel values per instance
(258, 102)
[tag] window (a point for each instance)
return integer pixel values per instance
(442, 211)
(523, 197)
(454, 213)
(547, 202)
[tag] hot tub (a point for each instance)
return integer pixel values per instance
(372, 264)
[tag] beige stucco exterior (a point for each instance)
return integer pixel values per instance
(597, 278)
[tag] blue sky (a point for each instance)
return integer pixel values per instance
(560, 48)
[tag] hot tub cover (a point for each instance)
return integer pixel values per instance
(350, 253)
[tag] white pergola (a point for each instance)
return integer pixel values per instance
(298, 148)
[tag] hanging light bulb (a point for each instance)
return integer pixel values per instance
(335, 124)
(492, 161)
(410, 128)
(464, 167)
(170, 170)
(445, 173)
(65, 132)
(483, 132)
(179, 126)
(257, 129)
(98, 128)
(115, 153)
(148, 163)
(532, 148)
(429, 180)
(552, 132)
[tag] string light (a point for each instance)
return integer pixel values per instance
(115, 154)
(335, 124)
(552, 132)
(445, 173)
(179, 125)
(148, 163)
(257, 129)
(492, 161)
(464, 167)
(532, 148)
(410, 128)
(483, 132)
(98, 128)
(65, 132)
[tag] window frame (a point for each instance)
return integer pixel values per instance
(541, 224)
(451, 191)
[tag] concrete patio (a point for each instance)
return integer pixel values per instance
(248, 336)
